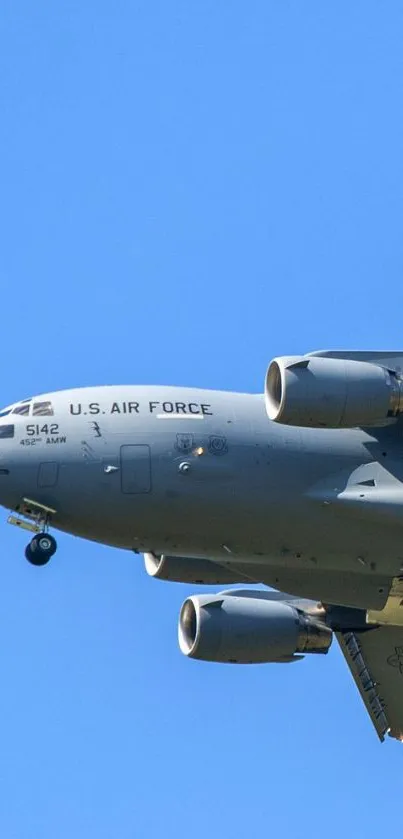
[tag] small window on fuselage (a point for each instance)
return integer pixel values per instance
(6, 431)
(42, 409)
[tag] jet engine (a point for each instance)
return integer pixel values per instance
(183, 569)
(325, 392)
(248, 630)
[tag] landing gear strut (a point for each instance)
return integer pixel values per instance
(34, 516)
(41, 548)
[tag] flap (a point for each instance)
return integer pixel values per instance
(375, 658)
(360, 590)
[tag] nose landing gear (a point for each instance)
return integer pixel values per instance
(40, 549)
(42, 546)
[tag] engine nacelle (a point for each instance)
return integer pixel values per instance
(248, 630)
(181, 569)
(331, 392)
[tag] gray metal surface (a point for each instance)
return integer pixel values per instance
(375, 659)
(206, 476)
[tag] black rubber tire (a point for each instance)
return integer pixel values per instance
(41, 549)
(36, 558)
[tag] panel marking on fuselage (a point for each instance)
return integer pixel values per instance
(184, 443)
(396, 660)
(165, 408)
(218, 445)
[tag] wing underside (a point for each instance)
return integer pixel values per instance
(375, 658)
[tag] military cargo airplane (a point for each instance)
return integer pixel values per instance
(299, 488)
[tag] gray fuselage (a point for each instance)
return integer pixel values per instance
(205, 473)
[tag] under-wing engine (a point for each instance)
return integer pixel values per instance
(243, 628)
(182, 569)
(323, 392)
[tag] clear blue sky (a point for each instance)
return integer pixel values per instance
(187, 189)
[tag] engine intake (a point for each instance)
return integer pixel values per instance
(319, 392)
(248, 630)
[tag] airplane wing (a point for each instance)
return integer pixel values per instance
(375, 658)
(374, 653)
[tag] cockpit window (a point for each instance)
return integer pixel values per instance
(22, 410)
(6, 431)
(42, 409)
